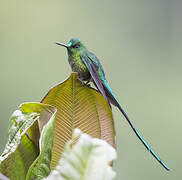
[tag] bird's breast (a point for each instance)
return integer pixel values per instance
(78, 66)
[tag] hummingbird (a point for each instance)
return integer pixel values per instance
(89, 69)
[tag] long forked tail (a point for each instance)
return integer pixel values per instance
(115, 102)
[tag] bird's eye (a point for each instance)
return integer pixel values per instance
(76, 46)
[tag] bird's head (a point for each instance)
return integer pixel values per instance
(74, 46)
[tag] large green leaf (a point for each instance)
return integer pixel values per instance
(37, 137)
(78, 106)
(22, 148)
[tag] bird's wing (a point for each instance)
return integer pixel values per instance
(93, 67)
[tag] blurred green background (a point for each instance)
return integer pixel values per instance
(139, 45)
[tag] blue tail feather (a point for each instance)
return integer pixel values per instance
(109, 91)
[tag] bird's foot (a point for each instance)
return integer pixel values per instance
(82, 83)
(85, 84)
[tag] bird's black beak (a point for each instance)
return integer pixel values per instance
(60, 44)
